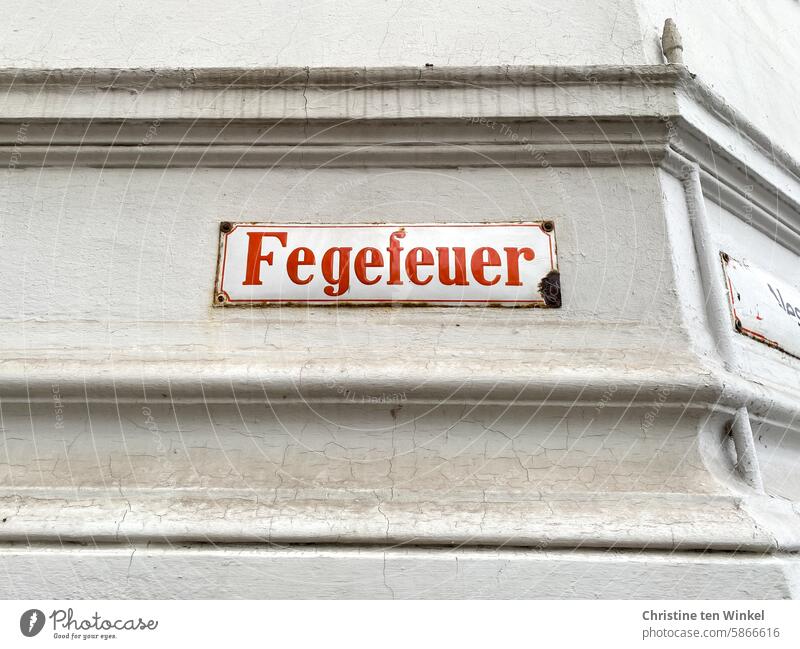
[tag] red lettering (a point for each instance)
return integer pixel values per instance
(460, 278)
(480, 263)
(418, 257)
(342, 278)
(394, 257)
(368, 266)
(254, 256)
(362, 263)
(513, 255)
(299, 257)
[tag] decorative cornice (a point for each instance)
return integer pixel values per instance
(264, 78)
(111, 110)
(393, 516)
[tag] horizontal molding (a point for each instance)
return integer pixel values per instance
(63, 571)
(766, 211)
(665, 521)
(312, 157)
(760, 193)
(394, 117)
(147, 381)
(452, 142)
(705, 98)
(240, 378)
(137, 79)
(310, 117)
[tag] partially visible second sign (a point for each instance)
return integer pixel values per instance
(763, 306)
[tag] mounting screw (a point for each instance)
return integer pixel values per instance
(221, 298)
(725, 257)
(737, 324)
(225, 226)
(548, 226)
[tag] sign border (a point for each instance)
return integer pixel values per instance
(222, 299)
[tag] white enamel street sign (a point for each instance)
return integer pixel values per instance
(763, 306)
(464, 264)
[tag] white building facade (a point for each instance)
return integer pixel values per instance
(639, 440)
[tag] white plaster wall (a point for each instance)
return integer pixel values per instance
(176, 33)
(746, 51)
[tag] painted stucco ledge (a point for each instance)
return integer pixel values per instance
(320, 571)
